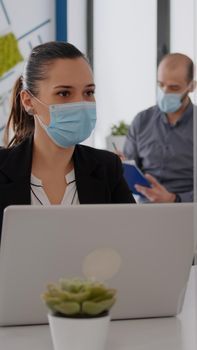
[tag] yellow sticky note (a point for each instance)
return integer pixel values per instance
(9, 53)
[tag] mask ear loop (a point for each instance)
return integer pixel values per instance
(183, 96)
(37, 99)
(29, 110)
(186, 92)
(43, 103)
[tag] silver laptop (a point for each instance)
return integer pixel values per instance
(144, 251)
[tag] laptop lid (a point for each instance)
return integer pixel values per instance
(144, 251)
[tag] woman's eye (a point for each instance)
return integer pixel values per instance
(64, 93)
(90, 93)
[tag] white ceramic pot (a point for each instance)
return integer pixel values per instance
(118, 140)
(79, 333)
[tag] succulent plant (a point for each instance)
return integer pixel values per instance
(78, 298)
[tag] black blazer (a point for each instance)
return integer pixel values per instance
(98, 173)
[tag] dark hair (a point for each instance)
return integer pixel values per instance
(190, 74)
(35, 70)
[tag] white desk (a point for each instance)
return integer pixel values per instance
(175, 333)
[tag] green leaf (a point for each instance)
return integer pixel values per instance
(91, 308)
(68, 308)
(119, 129)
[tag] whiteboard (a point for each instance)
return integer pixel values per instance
(31, 23)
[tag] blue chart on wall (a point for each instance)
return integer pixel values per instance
(21, 27)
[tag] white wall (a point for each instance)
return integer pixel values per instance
(76, 25)
(183, 39)
(183, 17)
(195, 119)
(124, 60)
(182, 26)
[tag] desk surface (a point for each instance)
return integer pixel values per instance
(175, 333)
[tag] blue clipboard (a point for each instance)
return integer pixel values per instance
(134, 176)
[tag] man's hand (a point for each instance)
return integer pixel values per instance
(157, 193)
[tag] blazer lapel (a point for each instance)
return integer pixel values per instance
(90, 178)
(91, 190)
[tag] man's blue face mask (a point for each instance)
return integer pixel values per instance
(70, 123)
(169, 102)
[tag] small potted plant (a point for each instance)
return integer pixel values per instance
(79, 313)
(115, 141)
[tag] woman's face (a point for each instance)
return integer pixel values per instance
(67, 80)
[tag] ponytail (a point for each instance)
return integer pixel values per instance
(19, 120)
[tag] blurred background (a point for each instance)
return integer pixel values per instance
(124, 41)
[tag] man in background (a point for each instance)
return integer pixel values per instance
(160, 139)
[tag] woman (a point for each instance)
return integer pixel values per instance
(53, 109)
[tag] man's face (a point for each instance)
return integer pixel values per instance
(173, 80)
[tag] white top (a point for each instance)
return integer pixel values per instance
(39, 196)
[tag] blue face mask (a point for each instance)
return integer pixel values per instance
(169, 102)
(70, 123)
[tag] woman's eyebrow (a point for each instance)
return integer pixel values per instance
(71, 87)
(63, 86)
(90, 85)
